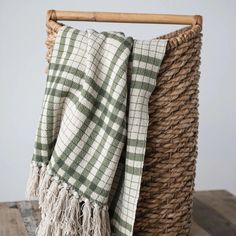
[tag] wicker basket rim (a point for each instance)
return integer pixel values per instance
(174, 38)
(182, 35)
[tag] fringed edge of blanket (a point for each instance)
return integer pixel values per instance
(63, 211)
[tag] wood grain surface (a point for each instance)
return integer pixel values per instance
(214, 214)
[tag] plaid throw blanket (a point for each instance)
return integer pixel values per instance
(90, 143)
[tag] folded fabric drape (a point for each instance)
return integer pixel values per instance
(90, 144)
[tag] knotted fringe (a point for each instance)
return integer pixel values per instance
(63, 211)
(36, 173)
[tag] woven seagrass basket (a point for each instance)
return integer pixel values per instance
(165, 203)
(166, 195)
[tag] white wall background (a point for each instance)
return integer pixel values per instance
(22, 81)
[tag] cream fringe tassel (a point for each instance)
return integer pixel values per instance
(63, 211)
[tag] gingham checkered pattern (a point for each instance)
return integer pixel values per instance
(93, 126)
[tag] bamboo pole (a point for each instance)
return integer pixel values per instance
(124, 17)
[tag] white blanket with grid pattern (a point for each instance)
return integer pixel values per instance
(90, 144)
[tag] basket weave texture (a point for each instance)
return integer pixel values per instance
(166, 194)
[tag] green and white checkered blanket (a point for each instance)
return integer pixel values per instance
(90, 144)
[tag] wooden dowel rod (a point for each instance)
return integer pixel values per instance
(124, 17)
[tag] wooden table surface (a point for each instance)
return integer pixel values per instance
(214, 213)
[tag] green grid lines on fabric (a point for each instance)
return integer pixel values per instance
(90, 144)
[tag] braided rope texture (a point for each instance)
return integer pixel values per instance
(166, 194)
